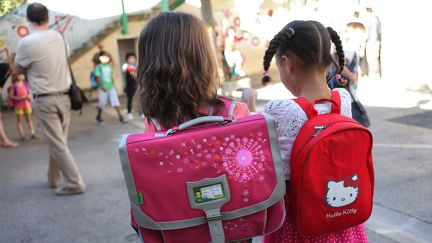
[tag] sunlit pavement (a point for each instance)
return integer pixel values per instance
(30, 212)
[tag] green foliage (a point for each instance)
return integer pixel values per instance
(7, 5)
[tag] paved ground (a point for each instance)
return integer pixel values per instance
(30, 212)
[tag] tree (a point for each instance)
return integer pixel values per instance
(7, 5)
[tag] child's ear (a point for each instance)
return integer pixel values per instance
(288, 63)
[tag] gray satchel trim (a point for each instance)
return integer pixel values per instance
(231, 110)
(156, 123)
(145, 221)
(127, 172)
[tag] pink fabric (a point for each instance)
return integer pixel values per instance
(244, 155)
(240, 150)
(240, 110)
(21, 90)
(288, 233)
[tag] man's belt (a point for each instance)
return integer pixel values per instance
(50, 94)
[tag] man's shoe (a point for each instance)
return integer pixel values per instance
(66, 191)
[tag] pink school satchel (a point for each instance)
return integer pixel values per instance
(210, 179)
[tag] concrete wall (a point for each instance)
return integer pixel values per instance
(14, 26)
(83, 65)
(253, 27)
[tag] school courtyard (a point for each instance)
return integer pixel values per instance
(31, 212)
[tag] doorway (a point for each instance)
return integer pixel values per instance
(124, 46)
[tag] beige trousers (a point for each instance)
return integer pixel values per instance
(53, 114)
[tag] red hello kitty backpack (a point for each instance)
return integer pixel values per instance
(213, 178)
(332, 177)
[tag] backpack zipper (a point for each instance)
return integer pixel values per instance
(319, 129)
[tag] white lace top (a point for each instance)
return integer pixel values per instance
(290, 118)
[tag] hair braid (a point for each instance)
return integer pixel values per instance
(283, 36)
(339, 49)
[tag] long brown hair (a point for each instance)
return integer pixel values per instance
(177, 69)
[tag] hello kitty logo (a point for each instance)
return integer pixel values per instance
(342, 193)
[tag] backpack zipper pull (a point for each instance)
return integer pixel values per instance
(319, 129)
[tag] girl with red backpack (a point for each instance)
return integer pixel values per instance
(303, 57)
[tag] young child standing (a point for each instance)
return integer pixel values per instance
(19, 93)
(303, 58)
(129, 70)
(104, 77)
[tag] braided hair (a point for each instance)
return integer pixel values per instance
(310, 42)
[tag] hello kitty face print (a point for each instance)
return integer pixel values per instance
(342, 193)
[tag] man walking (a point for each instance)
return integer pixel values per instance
(42, 56)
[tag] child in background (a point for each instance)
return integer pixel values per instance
(303, 58)
(19, 93)
(129, 70)
(104, 77)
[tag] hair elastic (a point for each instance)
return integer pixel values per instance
(291, 32)
(265, 73)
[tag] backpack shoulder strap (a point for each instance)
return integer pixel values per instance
(156, 124)
(14, 87)
(231, 109)
(229, 106)
(306, 107)
(336, 102)
(309, 109)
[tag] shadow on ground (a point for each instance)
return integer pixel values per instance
(421, 119)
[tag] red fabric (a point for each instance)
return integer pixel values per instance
(310, 110)
(332, 176)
